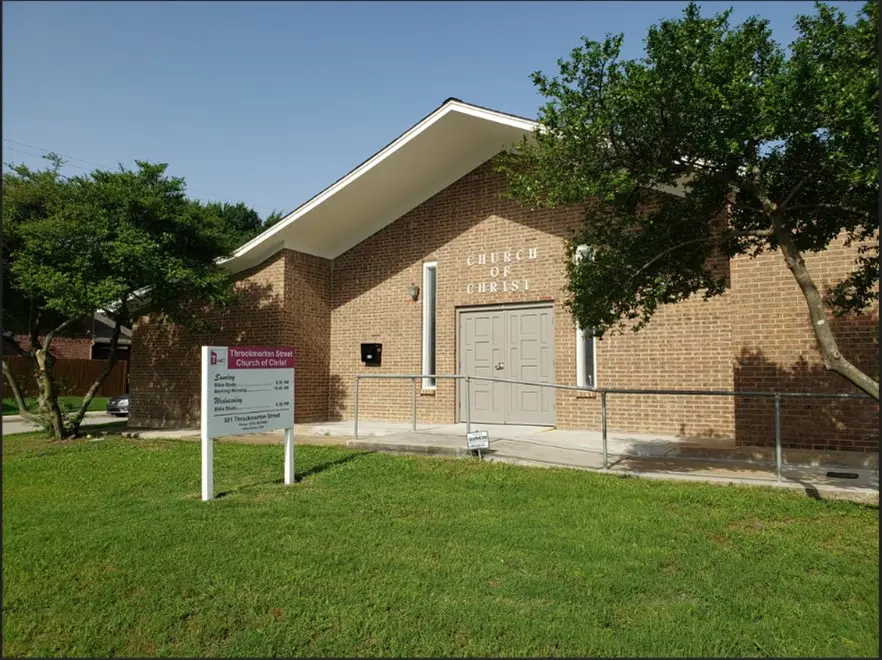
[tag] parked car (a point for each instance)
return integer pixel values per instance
(118, 406)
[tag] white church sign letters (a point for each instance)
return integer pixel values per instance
(502, 272)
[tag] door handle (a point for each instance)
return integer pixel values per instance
(499, 366)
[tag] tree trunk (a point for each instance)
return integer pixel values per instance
(13, 384)
(87, 399)
(16, 392)
(833, 359)
(48, 395)
(45, 361)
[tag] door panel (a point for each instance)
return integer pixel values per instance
(531, 354)
(482, 337)
(508, 343)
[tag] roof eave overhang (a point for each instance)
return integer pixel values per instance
(428, 157)
(488, 132)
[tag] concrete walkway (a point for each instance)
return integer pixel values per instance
(619, 444)
(840, 475)
(17, 424)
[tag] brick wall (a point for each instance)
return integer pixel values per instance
(283, 301)
(307, 322)
(470, 217)
(755, 336)
(164, 387)
(372, 281)
(774, 348)
(696, 344)
(63, 348)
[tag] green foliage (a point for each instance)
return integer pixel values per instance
(126, 241)
(94, 241)
(23, 201)
(273, 218)
(242, 223)
(719, 110)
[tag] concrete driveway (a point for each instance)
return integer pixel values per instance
(15, 424)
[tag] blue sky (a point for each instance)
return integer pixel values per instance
(270, 102)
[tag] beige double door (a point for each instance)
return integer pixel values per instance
(515, 343)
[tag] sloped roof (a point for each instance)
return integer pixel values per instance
(439, 149)
(102, 331)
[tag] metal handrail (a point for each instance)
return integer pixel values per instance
(604, 391)
(615, 390)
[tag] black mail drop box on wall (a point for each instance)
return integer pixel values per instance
(370, 353)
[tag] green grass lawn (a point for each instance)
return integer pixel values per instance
(97, 403)
(108, 551)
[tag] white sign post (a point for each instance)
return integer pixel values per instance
(246, 389)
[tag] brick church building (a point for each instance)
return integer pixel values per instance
(416, 250)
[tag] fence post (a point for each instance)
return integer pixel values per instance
(356, 407)
(778, 436)
(468, 405)
(414, 402)
(603, 427)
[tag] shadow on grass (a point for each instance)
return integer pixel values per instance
(321, 467)
(244, 487)
(810, 490)
(298, 476)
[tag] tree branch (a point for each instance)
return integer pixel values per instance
(13, 342)
(759, 233)
(753, 187)
(34, 326)
(796, 189)
(838, 207)
(16, 392)
(111, 360)
(47, 340)
(833, 359)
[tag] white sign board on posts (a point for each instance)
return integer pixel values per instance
(246, 389)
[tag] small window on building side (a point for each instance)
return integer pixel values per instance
(586, 368)
(430, 277)
(586, 365)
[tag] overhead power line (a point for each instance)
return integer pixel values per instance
(48, 151)
(107, 167)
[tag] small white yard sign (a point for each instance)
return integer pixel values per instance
(478, 440)
(246, 389)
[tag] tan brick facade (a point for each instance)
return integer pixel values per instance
(754, 337)
(283, 301)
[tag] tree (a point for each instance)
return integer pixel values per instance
(100, 241)
(242, 222)
(273, 218)
(723, 114)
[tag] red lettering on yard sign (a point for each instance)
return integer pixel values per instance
(260, 357)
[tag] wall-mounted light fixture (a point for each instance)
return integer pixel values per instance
(414, 292)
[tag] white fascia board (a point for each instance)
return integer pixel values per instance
(490, 115)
